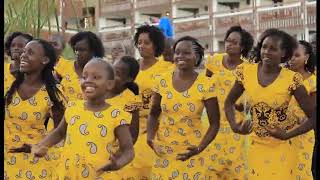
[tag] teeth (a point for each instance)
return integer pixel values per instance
(90, 89)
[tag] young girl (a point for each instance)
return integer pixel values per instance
(90, 128)
(31, 98)
(14, 45)
(268, 88)
(303, 62)
(86, 45)
(226, 154)
(150, 42)
(181, 96)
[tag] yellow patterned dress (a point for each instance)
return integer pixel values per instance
(70, 82)
(63, 66)
(227, 152)
(269, 158)
(181, 127)
(144, 154)
(89, 141)
(303, 144)
(8, 77)
(24, 123)
(165, 66)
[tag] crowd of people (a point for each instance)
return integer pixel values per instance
(250, 114)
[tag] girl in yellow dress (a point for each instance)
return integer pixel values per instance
(303, 61)
(150, 42)
(14, 47)
(85, 45)
(226, 154)
(32, 97)
(268, 88)
(91, 127)
(181, 96)
(126, 95)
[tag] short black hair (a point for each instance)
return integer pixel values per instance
(199, 50)
(311, 62)
(10, 38)
(95, 43)
(108, 67)
(60, 38)
(155, 35)
(246, 41)
(288, 44)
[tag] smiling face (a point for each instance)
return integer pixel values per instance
(121, 70)
(184, 55)
(83, 53)
(298, 59)
(33, 58)
(232, 44)
(145, 46)
(271, 52)
(95, 80)
(16, 47)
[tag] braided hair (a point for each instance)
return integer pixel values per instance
(196, 46)
(49, 81)
(311, 61)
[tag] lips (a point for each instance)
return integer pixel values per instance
(89, 89)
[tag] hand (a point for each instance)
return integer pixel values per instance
(193, 150)
(25, 148)
(239, 107)
(39, 151)
(243, 127)
(278, 133)
(155, 148)
(112, 166)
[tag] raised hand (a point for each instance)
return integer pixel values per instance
(192, 150)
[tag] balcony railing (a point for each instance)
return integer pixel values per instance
(115, 6)
(312, 14)
(151, 3)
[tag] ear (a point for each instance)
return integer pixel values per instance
(45, 60)
(110, 84)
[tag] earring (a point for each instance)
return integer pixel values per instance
(306, 62)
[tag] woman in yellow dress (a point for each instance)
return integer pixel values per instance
(181, 96)
(303, 62)
(32, 97)
(150, 42)
(91, 127)
(268, 88)
(14, 47)
(86, 45)
(226, 154)
(166, 59)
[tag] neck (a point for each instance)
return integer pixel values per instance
(270, 69)
(185, 73)
(15, 66)
(148, 61)
(116, 92)
(33, 78)
(305, 74)
(95, 103)
(234, 59)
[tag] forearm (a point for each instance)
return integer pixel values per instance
(124, 157)
(209, 136)
(152, 126)
(134, 126)
(301, 129)
(52, 138)
(230, 114)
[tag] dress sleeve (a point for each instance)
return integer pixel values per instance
(134, 104)
(297, 81)
(209, 63)
(238, 73)
(210, 87)
(120, 117)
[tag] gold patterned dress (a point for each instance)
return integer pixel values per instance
(304, 143)
(269, 158)
(227, 152)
